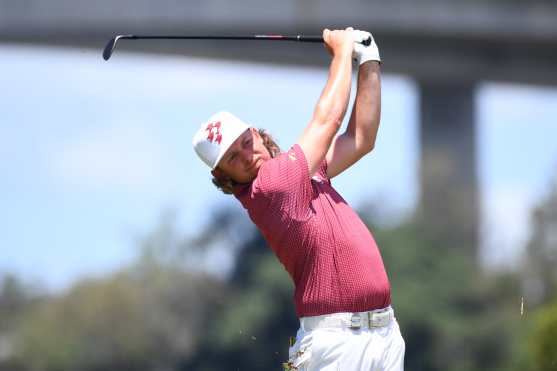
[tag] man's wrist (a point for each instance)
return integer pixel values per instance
(370, 66)
(343, 54)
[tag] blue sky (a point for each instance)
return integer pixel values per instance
(92, 152)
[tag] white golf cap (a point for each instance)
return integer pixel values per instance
(215, 136)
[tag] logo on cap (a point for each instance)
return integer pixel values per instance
(214, 134)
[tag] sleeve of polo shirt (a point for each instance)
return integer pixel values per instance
(284, 181)
(322, 171)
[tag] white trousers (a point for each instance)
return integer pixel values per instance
(344, 349)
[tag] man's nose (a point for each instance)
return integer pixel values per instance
(246, 156)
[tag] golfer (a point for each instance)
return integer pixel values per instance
(342, 292)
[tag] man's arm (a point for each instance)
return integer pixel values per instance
(359, 137)
(331, 107)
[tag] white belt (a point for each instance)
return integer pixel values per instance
(354, 321)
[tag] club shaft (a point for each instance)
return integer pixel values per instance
(316, 39)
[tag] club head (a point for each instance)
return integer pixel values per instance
(107, 52)
(111, 45)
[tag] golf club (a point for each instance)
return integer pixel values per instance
(109, 48)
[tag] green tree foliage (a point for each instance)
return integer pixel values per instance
(251, 328)
(16, 297)
(145, 317)
(540, 284)
(543, 341)
(453, 315)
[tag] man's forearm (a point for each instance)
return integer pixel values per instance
(366, 112)
(333, 101)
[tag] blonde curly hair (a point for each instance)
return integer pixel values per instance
(226, 184)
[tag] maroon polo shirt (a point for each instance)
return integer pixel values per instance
(323, 244)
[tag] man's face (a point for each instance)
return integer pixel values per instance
(245, 156)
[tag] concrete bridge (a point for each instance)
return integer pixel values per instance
(446, 46)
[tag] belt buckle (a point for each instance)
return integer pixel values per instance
(379, 319)
(371, 322)
(355, 321)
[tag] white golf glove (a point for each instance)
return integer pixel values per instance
(364, 53)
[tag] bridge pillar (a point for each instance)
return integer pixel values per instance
(449, 185)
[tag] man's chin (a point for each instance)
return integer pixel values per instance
(249, 177)
(254, 173)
